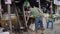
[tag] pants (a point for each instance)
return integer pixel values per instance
(37, 21)
(49, 21)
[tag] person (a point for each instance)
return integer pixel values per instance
(50, 20)
(34, 12)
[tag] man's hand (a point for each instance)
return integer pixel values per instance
(31, 16)
(41, 14)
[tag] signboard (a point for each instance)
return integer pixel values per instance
(8, 2)
(57, 2)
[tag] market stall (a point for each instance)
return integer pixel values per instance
(5, 19)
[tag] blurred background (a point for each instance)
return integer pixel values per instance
(14, 16)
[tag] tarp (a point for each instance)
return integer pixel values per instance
(4, 33)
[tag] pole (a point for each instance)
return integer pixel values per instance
(24, 16)
(0, 5)
(0, 10)
(25, 19)
(17, 17)
(57, 9)
(10, 24)
(40, 13)
(51, 7)
(40, 10)
(39, 4)
(8, 2)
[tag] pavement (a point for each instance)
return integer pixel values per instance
(55, 30)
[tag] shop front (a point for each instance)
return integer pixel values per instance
(57, 3)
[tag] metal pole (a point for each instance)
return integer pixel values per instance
(0, 4)
(40, 10)
(10, 23)
(57, 9)
(39, 4)
(25, 18)
(0, 10)
(51, 7)
(17, 17)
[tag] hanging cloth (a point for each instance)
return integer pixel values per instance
(26, 3)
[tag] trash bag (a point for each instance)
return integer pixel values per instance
(32, 27)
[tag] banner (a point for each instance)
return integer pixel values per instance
(8, 2)
(57, 2)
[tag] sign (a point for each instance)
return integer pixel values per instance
(57, 2)
(8, 2)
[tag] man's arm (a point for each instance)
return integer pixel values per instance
(41, 12)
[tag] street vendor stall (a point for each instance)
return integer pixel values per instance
(5, 19)
(56, 16)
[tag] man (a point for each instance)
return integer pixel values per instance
(38, 17)
(50, 20)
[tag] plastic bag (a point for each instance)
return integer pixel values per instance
(32, 27)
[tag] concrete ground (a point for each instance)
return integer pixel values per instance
(55, 30)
